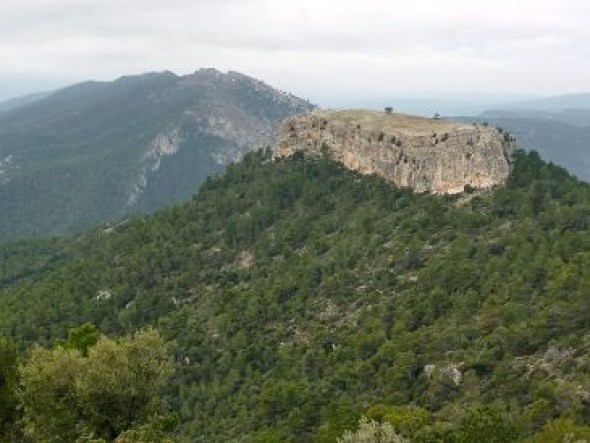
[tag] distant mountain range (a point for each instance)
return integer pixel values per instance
(557, 127)
(98, 151)
(17, 102)
(557, 102)
(574, 117)
(567, 145)
(462, 104)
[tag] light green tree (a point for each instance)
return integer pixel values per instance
(69, 396)
(407, 420)
(561, 430)
(372, 432)
(488, 425)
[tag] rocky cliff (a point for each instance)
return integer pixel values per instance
(428, 155)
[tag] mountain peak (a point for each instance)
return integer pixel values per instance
(108, 149)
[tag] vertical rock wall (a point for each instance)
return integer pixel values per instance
(427, 155)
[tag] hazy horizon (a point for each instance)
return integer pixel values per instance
(318, 50)
(14, 89)
(451, 104)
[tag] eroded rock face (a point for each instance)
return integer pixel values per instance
(427, 155)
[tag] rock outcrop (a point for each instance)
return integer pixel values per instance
(428, 155)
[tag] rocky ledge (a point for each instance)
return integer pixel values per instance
(426, 154)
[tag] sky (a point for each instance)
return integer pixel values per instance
(324, 50)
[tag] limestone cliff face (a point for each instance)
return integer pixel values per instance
(427, 155)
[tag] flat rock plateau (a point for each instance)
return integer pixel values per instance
(426, 154)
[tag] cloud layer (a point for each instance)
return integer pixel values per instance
(316, 48)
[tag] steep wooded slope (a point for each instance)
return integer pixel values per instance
(299, 294)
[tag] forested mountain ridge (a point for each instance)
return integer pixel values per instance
(300, 296)
(98, 151)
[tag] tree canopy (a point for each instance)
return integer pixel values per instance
(95, 392)
(298, 297)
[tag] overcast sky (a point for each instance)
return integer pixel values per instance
(318, 49)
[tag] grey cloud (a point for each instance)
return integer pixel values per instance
(423, 44)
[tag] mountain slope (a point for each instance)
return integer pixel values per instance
(573, 117)
(17, 102)
(561, 137)
(299, 294)
(557, 127)
(551, 103)
(98, 151)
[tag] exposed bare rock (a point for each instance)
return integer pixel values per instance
(239, 112)
(428, 155)
(452, 372)
(245, 260)
(165, 144)
(5, 165)
(104, 294)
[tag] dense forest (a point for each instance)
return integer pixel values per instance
(302, 302)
